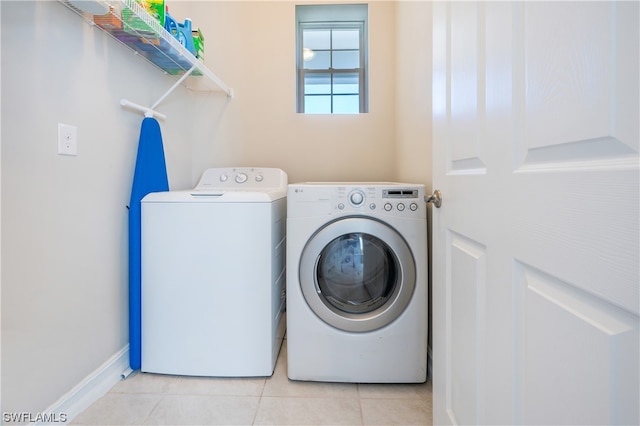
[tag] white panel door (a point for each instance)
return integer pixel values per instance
(536, 258)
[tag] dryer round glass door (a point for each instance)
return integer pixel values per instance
(357, 274)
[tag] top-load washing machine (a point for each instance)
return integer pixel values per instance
(213, 275)
(357, 282)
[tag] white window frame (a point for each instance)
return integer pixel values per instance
(347, 16)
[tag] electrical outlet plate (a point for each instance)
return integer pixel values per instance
(67, 139)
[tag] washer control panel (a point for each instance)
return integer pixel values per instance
(242, 178)
(401, 200)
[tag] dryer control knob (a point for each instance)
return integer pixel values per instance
(259, 178)
(356, 198)
(223, 178)
(241, 178)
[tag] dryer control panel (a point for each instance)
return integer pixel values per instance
(376, 198)
(385, 198)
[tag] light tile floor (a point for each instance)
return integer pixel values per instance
(151, 399)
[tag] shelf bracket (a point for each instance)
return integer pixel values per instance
(150, 111)
(176, 84)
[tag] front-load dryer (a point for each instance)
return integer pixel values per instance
(213, 275)
(356, 282)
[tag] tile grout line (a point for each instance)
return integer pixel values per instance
(148, 416)
(264, 385)
(360, 404)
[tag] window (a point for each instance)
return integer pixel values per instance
(331, 59)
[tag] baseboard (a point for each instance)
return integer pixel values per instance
(93, 387)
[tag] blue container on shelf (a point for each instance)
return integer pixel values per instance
(185, 36)
(170, 24)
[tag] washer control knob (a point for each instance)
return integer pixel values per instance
(340, 206)
(372, 206)
(241, 177)
(259, 178)
(388, 207)
(356, 197)
(413, 207)
(223, 177)
(400, 207)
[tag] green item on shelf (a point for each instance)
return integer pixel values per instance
(198, 43)
(136, 24)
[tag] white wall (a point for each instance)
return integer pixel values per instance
(413, 101)
(251, 46)
(413, 95)
(64, 221)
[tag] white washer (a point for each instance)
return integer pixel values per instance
(357, 282)
(213, 275)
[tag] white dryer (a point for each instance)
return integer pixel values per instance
(357, 282)
(213, 275)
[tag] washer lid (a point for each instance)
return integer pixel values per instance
(212, 196)
(230, 185)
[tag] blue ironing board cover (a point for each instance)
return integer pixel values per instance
(150, 176)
